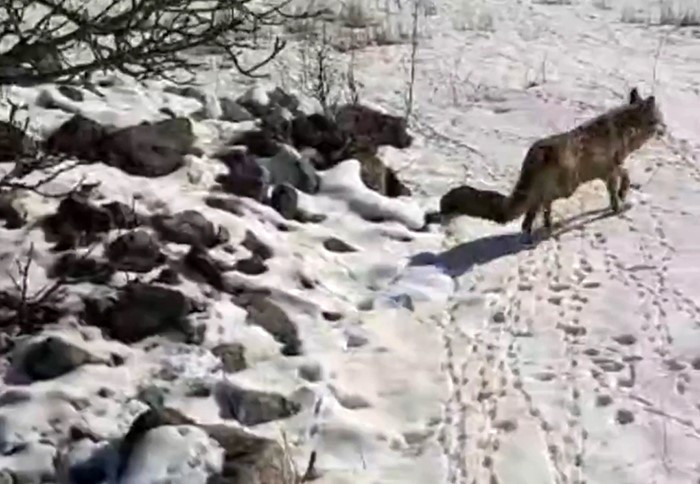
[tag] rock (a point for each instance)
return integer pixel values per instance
(124, 216)
(227, 204)
(234, 112)
(334, 244)
(250, 459)
(311, 371)
(72, 267)
(252, 266)
(13, 218)
(271, 317)
(321, 133)
(288, 166)
(211, 108)
(150, 150)
(14, 143)
(277, 124)
(51, 357)
(232, 356)
(255, 100)
(201, 263)
(279, 98)
(80, 137)
(189, 227)
(284, 199)
(76, 222)
(135, 251)
(252, 407)
(141, 310)
(371, 127)
(258, 142)
(72, 93)
(256, 246)
(245, 177)
(168, 276)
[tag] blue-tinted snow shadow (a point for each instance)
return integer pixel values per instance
(461, 258)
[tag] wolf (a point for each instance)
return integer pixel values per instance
(555, 166)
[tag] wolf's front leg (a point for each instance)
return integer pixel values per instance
(613, 183)
(624, 184)
(547, 214)
(529, 220)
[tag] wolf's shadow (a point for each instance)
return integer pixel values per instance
(461, 258)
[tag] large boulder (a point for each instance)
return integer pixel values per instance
(245, 177)
(371, 127)
(141, 310)
(288, 166)
(252, 407)
(150, 150)
(79, 136)
(14, 142)
(136, 251)
(189, 227)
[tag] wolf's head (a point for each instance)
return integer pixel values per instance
(645, 115)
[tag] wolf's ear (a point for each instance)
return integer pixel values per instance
(634, 96)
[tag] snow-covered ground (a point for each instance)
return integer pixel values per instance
(454, 355)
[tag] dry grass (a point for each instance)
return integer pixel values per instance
(680, 16)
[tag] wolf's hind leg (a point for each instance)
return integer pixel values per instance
(547, 214)
(612, 183)
(624, 184)
(529, 219)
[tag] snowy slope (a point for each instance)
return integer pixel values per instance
(575, 360)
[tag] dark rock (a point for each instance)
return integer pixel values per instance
(232, 356)
(12, 217)
(72, 93)
(249, 459)
(52, 357)
(135, 251)
(289, 167)
(332, 316)
(277, 124)
(279, 98)
(372, 127)
(79, 136)
(14, 143)
(72, 267)
(393, 186)
(245, 177)
(258, 142)
(284, 199)
(319, 132)
(253, 266)
(202, 264)
(226, 204)
(272, 318)
(233, 111)
(76, 222)
(307, 217)
(252, 407)
(150, 150)
(141, 310)
(189, 227)
(152, 395)
(124, 216)
(168, 276)
(256, 246)
(336, 245)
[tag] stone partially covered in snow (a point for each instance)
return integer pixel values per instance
(150, 150)
(245, 177)
(256, 100)
(136, 251)
(189, 227)
(252, 407)
(233, 111)
(285, 200)
(14, 142)
(264, 312)
(141, 310)
(79, 136)
(288, 166)
(45, 358)
(77, 221)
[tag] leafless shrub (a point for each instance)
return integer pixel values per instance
(140, 38)
(353, 14)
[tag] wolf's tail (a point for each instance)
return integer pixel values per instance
(488, 204)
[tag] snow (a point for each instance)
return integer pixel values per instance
(463, 354)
